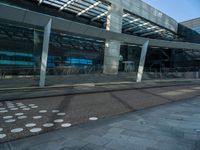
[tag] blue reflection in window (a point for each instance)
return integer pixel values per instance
(16, 58)
(10, 62)
(50, 61)
(16, 54)
(79, 61)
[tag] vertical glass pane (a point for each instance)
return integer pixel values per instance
(129, 59)
(71, 55)
(20, 54)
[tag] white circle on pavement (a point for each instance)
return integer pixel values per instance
(47, 125)
(37, 117)
(26, 109)
(22, 117)
(10, 120)
(7, 117)
(30, 125)
(42, 111)
(11, 106)
(19, 103)
(1, 129)
(55, 111)
(36, 130)
(16, 130)
(65, 125)
(58, 120)
(14, 109)
(3, 111)
(2, 136)
(93, 118)
(61, 114)
(2, 108)
(19, 114)
(34, 106)
(23, 107)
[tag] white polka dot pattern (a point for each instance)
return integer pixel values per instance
(16, 130)
(19, 114)
(30, 125)
(42, 111)
(58, 120)
(2, 136)
(37, 117)
(55, 111)
(93, 118)
(61, 114)
(65, 125)
(7, 117)
(47, 125)
(35, 130)
(22, 117)
(10, 120)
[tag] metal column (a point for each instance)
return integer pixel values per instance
(142, 61)
(45, 49)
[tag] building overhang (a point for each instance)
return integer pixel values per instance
(27, 17)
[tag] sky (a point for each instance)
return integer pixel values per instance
(180, 10)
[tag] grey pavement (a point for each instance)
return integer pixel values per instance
(54, 80)
(84, 84)
(173, 126)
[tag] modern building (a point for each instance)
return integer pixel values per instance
(53, 37)
(193, 24)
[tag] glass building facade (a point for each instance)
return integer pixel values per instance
(21, 50)
(197, 29)
(193, 24)
(85, 38)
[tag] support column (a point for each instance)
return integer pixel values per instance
(45, 49)
(112, 48)
(142, 61)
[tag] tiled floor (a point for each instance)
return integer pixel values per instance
(174, 126)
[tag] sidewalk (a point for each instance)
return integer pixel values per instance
(60, 80)
(22, 118)
(172, 126)
(88, 87)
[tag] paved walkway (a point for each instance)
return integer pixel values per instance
(22, 118)
(63, 80)
(89, 87)
(174, 126)
(67, 80)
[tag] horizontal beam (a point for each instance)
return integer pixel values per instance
(28, 17)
